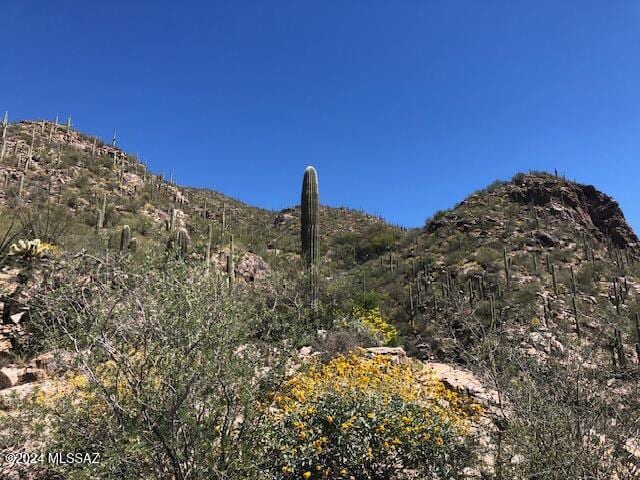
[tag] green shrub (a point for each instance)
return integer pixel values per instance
(359, 417)
(171, 390)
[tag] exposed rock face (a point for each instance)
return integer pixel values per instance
(12, 308)
(282, 219)
(589, 207)
(453, 378)
(252, 267)
(11, 376)
(545, 239)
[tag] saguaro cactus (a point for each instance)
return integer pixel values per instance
(231, 273)
(21, 186)
(207, 256)
(507, 273)
(30, 152)
(619, 348)
(174, 219)
(183, 242)
(101, 214)
(224, 216)
(5, 125)
(309, 216)
(125, 238)
(309, 227)
(99, 220)
(575, 314)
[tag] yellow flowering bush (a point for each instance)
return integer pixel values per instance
(376, 324)
(360, 417)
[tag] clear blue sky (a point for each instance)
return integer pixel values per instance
(404, 107)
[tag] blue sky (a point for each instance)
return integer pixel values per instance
(404, 107)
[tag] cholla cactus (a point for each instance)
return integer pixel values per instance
(30, 249)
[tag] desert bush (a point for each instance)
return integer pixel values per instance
(81, 182)
(376, 324)
(47, 222)
(439, 214)
(375, 241)
(342, 340)
(560, 426)
(487, 258)
(367, 300)
(10, 230)
(366, 418)
(169, 372)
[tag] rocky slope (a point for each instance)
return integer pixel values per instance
(53, 181)
(532, 284)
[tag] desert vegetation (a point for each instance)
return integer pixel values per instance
(178, 333)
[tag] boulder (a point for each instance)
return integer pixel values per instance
(252, 267)
(29, 375)
(463, 381)
(9, 376)
(397, 354)
(545, 239)
(52, 362)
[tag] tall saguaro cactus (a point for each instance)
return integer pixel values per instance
(5, 125)
(309, 228)
(231, 273)
(183, 242)
(101, 215)
(30, 152)
(207, 256)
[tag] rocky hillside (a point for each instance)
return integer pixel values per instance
(534, 285)
(58, 183)
(530, 286)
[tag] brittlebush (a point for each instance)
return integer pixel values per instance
(377, 325)
(360, 417)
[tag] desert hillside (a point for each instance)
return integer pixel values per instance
(180, 333)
